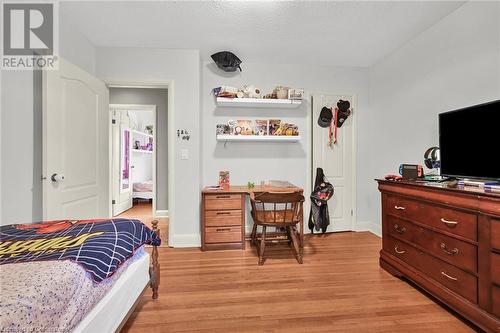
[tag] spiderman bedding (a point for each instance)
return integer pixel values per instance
(99, 246)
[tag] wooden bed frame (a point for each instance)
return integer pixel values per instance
(154, 268)
(154, 278)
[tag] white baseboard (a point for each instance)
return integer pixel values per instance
(374, 228)
(161, 213)
(186, 240)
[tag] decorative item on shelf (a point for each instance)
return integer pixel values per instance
(295, 94)
(251, 185)
(224, 179)
(225, 91)
(243, 127)
(137, 144)
(287, 129)
(248, 92)
(270, 96)
(227, 61)
(149, 129)
(261, 127)
(274, 124)
(281, 92)
(232, 124)
(222, 129)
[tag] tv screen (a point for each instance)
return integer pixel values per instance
(469, 142)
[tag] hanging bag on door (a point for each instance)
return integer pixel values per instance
(319, 217)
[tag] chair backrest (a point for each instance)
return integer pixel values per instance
(277, 207)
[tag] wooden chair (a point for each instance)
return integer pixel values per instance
(283, 210)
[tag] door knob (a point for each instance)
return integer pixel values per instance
(56, 178)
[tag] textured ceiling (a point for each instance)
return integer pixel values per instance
(324, 33)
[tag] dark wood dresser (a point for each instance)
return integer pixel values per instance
(446, 240)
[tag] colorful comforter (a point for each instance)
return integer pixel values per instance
(99, 246)
(51, 296)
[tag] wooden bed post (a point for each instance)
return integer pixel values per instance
(154, 269)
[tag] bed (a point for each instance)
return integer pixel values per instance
(75, 276)
(143, 190)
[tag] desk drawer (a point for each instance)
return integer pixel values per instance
(223, 201)
(217, 218)
(449, 249)
(446, 219)
(223, 235)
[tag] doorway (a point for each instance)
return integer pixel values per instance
(338, 161)
(134, 157)
(144, 118)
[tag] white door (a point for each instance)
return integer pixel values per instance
(122, 163)
(75, 145)
(337, 163)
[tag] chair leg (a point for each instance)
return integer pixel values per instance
(296, 246)
(288, 234)
(254, 233)
(262, 246)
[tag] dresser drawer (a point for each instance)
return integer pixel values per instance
(223, 201)
(495, 234)
(451, 250)
(453, 278)
(446, 219)
(223, 235)
(217, 218)
(495, 268)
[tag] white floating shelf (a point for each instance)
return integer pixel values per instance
(262, 138)
(142, 133)
(142, 151)
(258, 103)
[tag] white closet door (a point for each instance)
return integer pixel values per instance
(75, 144)
(337, 163)
(122, 162)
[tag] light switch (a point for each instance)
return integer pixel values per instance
(184, 154)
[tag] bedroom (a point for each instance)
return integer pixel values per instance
(400, 64)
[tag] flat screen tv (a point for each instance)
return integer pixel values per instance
(469, 142)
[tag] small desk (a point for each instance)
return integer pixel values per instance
(223, 215)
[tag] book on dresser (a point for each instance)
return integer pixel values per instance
(447, 241)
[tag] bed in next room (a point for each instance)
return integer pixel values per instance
(74, 275)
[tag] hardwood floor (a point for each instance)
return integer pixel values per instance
(339, 288)
(144, 212)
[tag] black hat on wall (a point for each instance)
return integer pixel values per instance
(325, 117)
(227, 61)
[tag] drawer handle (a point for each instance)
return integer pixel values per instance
(399, 207)
(445, 250)
(223, 213)
(399, 251)
(449, 277)
(223, 229)
(399, 230)
(222, 196)
(448, 223)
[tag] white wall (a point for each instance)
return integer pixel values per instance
(182, 68)
(253, 161)
(21, 155)
(455, 63)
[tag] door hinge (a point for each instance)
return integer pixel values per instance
(352, 212)
(113, 121)
(113, 202)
